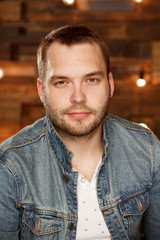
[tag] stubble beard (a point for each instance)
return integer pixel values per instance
(80, 127)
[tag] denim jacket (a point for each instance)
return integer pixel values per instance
(38, 189)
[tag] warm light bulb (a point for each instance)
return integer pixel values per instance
(1, 73)
(143, 125)
(141, 82)
(68, 2)
(138, 1)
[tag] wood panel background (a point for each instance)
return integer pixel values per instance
(133, 37)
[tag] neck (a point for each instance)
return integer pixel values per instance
(87, 151)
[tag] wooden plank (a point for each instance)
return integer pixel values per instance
(27, 52)
(10, 110)
(8, 128)
(40, 16)
(21, 69)
(5, 51)
(24, 93)
(14, 35)
(102, 16)
(31, 112)
(156, 62)
(156, 56)
(83, 5)
(10, 11)
(113, 30)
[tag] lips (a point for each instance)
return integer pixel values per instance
(82, 114)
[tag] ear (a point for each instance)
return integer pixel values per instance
(111, 83)
(40, 88)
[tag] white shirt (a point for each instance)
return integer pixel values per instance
(91, 224)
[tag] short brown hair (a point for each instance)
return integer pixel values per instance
(69, 35)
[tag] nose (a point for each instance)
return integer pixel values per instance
(78, 95)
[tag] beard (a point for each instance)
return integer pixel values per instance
(76, 127)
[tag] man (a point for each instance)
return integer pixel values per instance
(79, 173)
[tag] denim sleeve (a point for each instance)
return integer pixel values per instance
(9, 214)
(151, 219)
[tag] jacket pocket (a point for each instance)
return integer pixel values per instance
(40, 224)
(132, 209)
(135, 205)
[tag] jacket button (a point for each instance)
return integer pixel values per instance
(70, 226)
(66, 178)
(108, 212)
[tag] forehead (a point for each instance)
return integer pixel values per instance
(59, 53)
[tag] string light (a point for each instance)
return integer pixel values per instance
(141, 82)
(143, 125)
(1, 73)
(68, 2)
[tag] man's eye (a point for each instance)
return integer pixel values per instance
(60, 83)
(93, 80)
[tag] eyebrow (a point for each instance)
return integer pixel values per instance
(98, 72)
(94, 73)
(57, 77)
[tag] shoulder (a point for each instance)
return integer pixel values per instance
(117, 122)
(25, 136)
(132, 138)
(124, 130)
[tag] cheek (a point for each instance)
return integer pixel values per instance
(59, 101)
(99, 95)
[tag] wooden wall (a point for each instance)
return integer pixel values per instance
(133, 38)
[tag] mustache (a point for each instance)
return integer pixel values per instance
(79, 108)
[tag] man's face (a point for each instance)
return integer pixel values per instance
(76, 91)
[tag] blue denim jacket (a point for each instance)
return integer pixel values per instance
(38, 194)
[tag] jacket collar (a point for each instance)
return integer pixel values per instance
(62, 153)
(105, 137)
